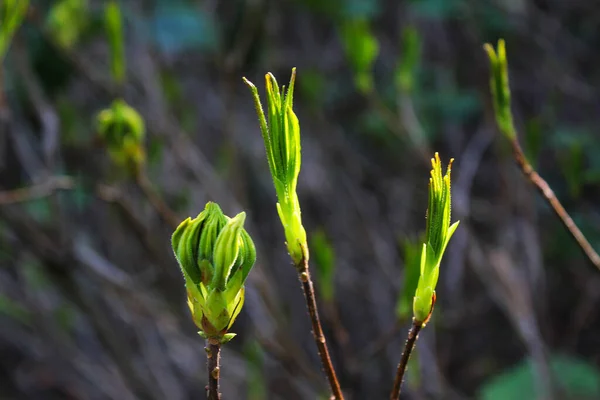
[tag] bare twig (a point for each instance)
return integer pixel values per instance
(413, 335)
(311, 305)
(162, 208)
(542, 186)
(213, 361)
(35, 191)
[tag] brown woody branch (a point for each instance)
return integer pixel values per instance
(542, 186)
(413, 335)
(319, 336)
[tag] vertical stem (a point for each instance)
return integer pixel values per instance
(311, 305)
(413, 335)
(213, 364)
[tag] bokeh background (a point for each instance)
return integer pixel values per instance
(92, 303)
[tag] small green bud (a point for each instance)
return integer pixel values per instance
(500, 88)
(215, 254)
(67, 20)
(281, 136)
(438, 234)
(122, 130)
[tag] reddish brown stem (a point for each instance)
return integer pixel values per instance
(213, 365)
(413, 335)
(545, 190)
(311, 305)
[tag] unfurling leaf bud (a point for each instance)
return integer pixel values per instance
(122, 130)
(438, 234)
(500, 88)
(281, 136)
(215, 254)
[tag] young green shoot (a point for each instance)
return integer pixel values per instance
(437, 235)
(281, 136)
(215, 254)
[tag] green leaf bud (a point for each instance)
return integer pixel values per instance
(215, 254)
(500, 88)
(281, 136)
(122, 130)
(438, 234)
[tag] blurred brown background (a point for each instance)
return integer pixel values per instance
(92, 302)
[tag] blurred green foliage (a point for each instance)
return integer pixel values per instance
(323, 258)
(122, 130)
(408, 63)
(576, 378)
(67, 20)
(12, 13)
(411, 250)
(257, 388)
(113, 22)
(14, 310)
(361, 48)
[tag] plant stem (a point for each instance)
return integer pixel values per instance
(545, 190)
(311, 305)
(413, 335)
(163, 209)
(213, 361)
(36, 191)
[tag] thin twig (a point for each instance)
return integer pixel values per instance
(559, 210)
(35, 191)
(163, 209)
(311, 305)
(213, 365)
(413, 335)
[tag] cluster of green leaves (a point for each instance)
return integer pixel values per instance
(215, 254)
(12, 13)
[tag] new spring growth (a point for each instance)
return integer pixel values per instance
(122, 130)
(215, 254)
(437, 235)
(500, 88)
(12, 13)
(281, 135)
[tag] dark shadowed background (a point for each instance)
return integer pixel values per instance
(92, 302)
